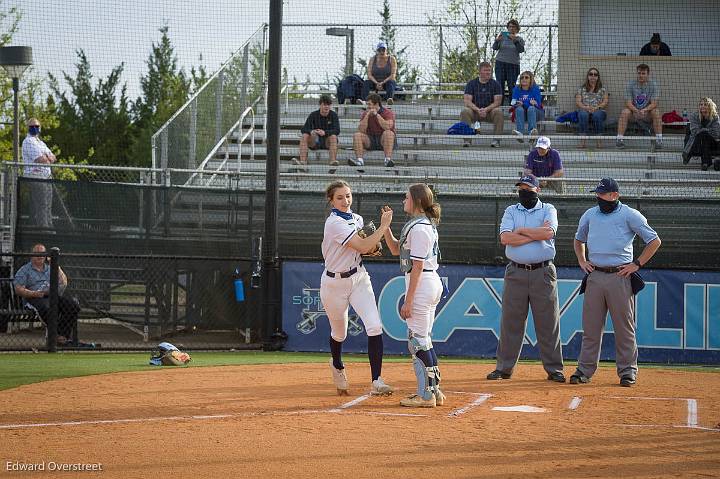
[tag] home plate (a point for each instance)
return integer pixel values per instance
(519, 408)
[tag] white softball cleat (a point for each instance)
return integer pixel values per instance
(439, 397)
(379, 388)
(340, 380)
(417, 401)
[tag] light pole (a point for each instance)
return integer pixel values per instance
(15, 61)
(349, 35)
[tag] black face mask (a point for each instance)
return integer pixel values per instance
(607, 206)
(528, 198)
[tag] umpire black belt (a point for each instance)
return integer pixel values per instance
(533, 266)
(346, 274)
(610, 269)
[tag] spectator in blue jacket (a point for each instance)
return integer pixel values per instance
(527, 101)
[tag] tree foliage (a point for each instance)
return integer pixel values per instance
(30, 99)
(165, 88)
(480, 21)
(94, 123)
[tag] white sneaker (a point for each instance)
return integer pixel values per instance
(417, 401)
(533, 132)
(439, 397)
(294, 161)
(379, 388)
(340, 380)
(389, 163)
(520, 137)
(356, 162)
(495, 143)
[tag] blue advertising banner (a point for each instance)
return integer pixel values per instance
(677, 314)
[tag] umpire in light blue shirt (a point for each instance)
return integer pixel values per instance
(528, 232)
(608, 230)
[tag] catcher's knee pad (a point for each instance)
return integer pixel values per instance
(419, 343)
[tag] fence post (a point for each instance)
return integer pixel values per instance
(52, 319)
(550, 54)
(164, 148)
(219, 105)
(246, 67)
(440, 59)
(192, 156)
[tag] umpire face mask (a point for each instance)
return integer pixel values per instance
(607, 206)
(528, 198)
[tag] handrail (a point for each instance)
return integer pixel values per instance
(224, 141)
(207, 82)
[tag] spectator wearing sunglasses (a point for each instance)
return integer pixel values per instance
(591, 100)
(527, 101)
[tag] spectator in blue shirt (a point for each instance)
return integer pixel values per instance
(527, 101)
(545, 162)
(609, 229)
(32, 283)
(528, 231)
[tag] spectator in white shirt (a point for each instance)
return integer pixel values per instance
(35, 153)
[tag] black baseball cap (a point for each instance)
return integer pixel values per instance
(607, 185)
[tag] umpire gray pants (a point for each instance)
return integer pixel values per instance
(538, 289)
(603, 292)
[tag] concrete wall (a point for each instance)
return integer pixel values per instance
(682, 79)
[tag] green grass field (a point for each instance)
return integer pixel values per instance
(17, 369)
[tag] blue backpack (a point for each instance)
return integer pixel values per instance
(460, 128)
(349, 88)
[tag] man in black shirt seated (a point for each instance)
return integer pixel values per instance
(320, 130)
(655, 47)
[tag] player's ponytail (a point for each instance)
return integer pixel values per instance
(423, 199)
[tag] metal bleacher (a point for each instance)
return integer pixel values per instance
(467, 164)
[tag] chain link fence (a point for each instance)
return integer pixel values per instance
(190, 138)
(134, 302)
(194, 220)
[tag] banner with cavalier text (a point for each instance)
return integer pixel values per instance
(677, 314)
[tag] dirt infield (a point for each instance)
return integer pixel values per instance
(286, 421)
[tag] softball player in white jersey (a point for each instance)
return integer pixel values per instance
(419, 251)
(345, 282)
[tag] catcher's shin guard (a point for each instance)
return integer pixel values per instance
(424, 373)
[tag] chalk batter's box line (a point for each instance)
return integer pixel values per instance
(203, 417)
(692, 408)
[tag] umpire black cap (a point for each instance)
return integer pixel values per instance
(607, 185)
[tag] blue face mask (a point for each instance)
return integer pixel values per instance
(34, 130)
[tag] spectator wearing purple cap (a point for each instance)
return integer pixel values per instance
(381, 72)
(528, 231)
(544, 162)
(609, 229)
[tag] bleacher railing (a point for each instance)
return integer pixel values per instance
(189, 136)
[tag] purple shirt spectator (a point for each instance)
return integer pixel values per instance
(543, 166)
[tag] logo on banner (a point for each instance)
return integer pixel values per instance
(313, 310)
